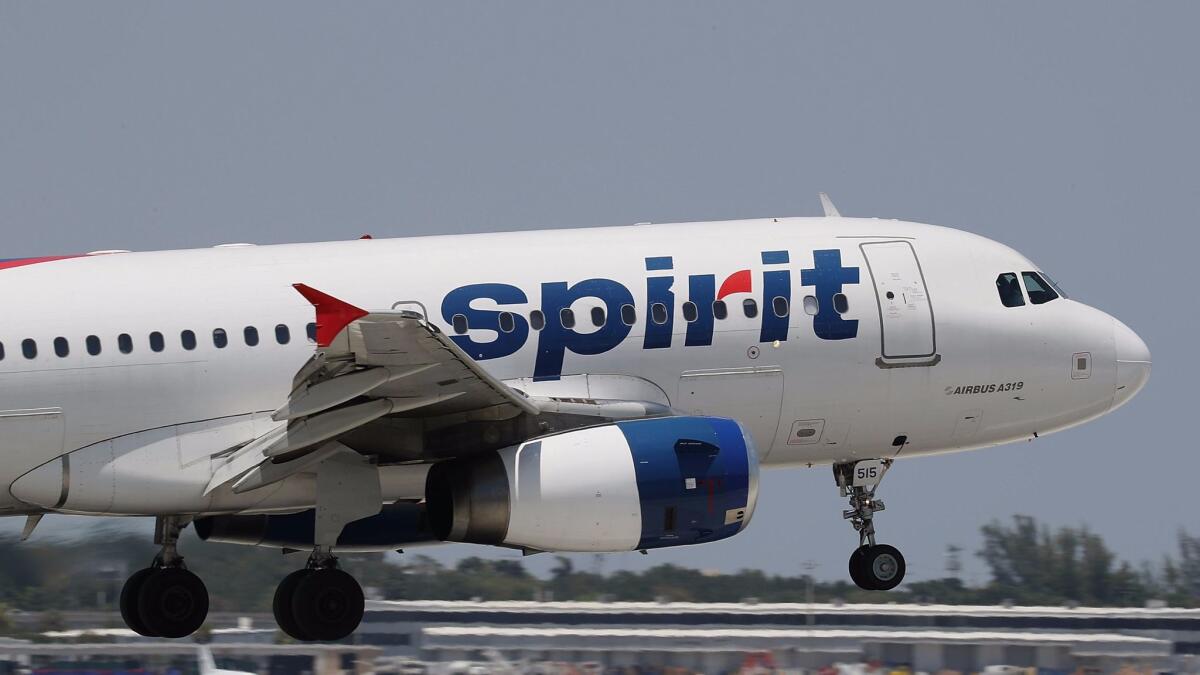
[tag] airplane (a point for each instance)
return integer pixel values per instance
(207, 665)
(600, 389)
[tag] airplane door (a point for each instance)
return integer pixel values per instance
(905, 314)
(752, 396)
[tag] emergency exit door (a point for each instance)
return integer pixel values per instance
(905, 313)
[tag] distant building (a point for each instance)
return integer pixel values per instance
(720, 637)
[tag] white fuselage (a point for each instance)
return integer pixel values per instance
(941, 365)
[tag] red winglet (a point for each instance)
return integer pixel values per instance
(332, 314)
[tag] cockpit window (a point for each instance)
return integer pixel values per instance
(1039, 291)
(1009, 289)
(1054, 284)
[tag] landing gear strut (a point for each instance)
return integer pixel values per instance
(873, 567)
(165, 599)
(319, 602)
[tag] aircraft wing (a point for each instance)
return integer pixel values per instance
(393, 386)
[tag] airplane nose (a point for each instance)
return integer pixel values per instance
(1133, 363)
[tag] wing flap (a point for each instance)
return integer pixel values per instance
(368, 365)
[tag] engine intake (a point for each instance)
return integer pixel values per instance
(617, 487)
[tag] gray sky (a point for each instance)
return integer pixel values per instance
(1067, 130)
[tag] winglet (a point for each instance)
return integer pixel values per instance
(827, 204)
(332, 314)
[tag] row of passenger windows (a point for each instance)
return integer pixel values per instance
(659, 313)
(1039, 288)
(158, 342)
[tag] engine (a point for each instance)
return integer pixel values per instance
(624, 486)
(395, 526)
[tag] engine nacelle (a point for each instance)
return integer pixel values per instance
(395, 526)
(624, 486)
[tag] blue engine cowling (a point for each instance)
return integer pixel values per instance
(627, 485)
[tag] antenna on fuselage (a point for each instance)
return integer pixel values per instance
(827, 204)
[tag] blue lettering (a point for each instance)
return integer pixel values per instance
(554, 340)
(658, 291)
(776, 284)
(702, 291)
(828, 276)
(458, 301)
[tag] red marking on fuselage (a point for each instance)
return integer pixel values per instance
(21, 262)
(738, 282)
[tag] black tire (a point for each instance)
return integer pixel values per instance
(883, 567)
(282, 605)
(129, 600)
(328, 604)
(172, 602)
(857, 565)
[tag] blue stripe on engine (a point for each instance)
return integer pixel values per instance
(666, 453)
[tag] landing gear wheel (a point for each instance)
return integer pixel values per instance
(282, 605)
(856, 566)
(877, 568)
(327, 604)
(129, 599)
(885, 568)
(172, 602)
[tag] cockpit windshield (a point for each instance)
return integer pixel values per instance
(1039, 290)
(1010, 290)
(1054, 284)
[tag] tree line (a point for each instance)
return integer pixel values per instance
(1027, 563)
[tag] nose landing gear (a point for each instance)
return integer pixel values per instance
(165, 599)
(873, 567)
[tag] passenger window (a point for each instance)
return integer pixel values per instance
(750, 308)
(690, 313)
(93, 345)
(841, 304)
(29, 348)
(310, 331)
(125, 343)
(537, 320)
(508, 322)
(810, 305)
(156, 342)
(1039, 291)
(779, 305)
(220, 338)
(598, 316)
(1, 351)
(1010, 290)
(628, 315)
(720, 310)
(459, 322)
(250, 334)
(283, 334)
(188, 339)
(566, 317)
(61, 347)
(658, 312)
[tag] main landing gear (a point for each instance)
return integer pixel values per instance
(319, 602)
(165, 599)
(873, 567)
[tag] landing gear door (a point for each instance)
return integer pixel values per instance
(908, 336)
